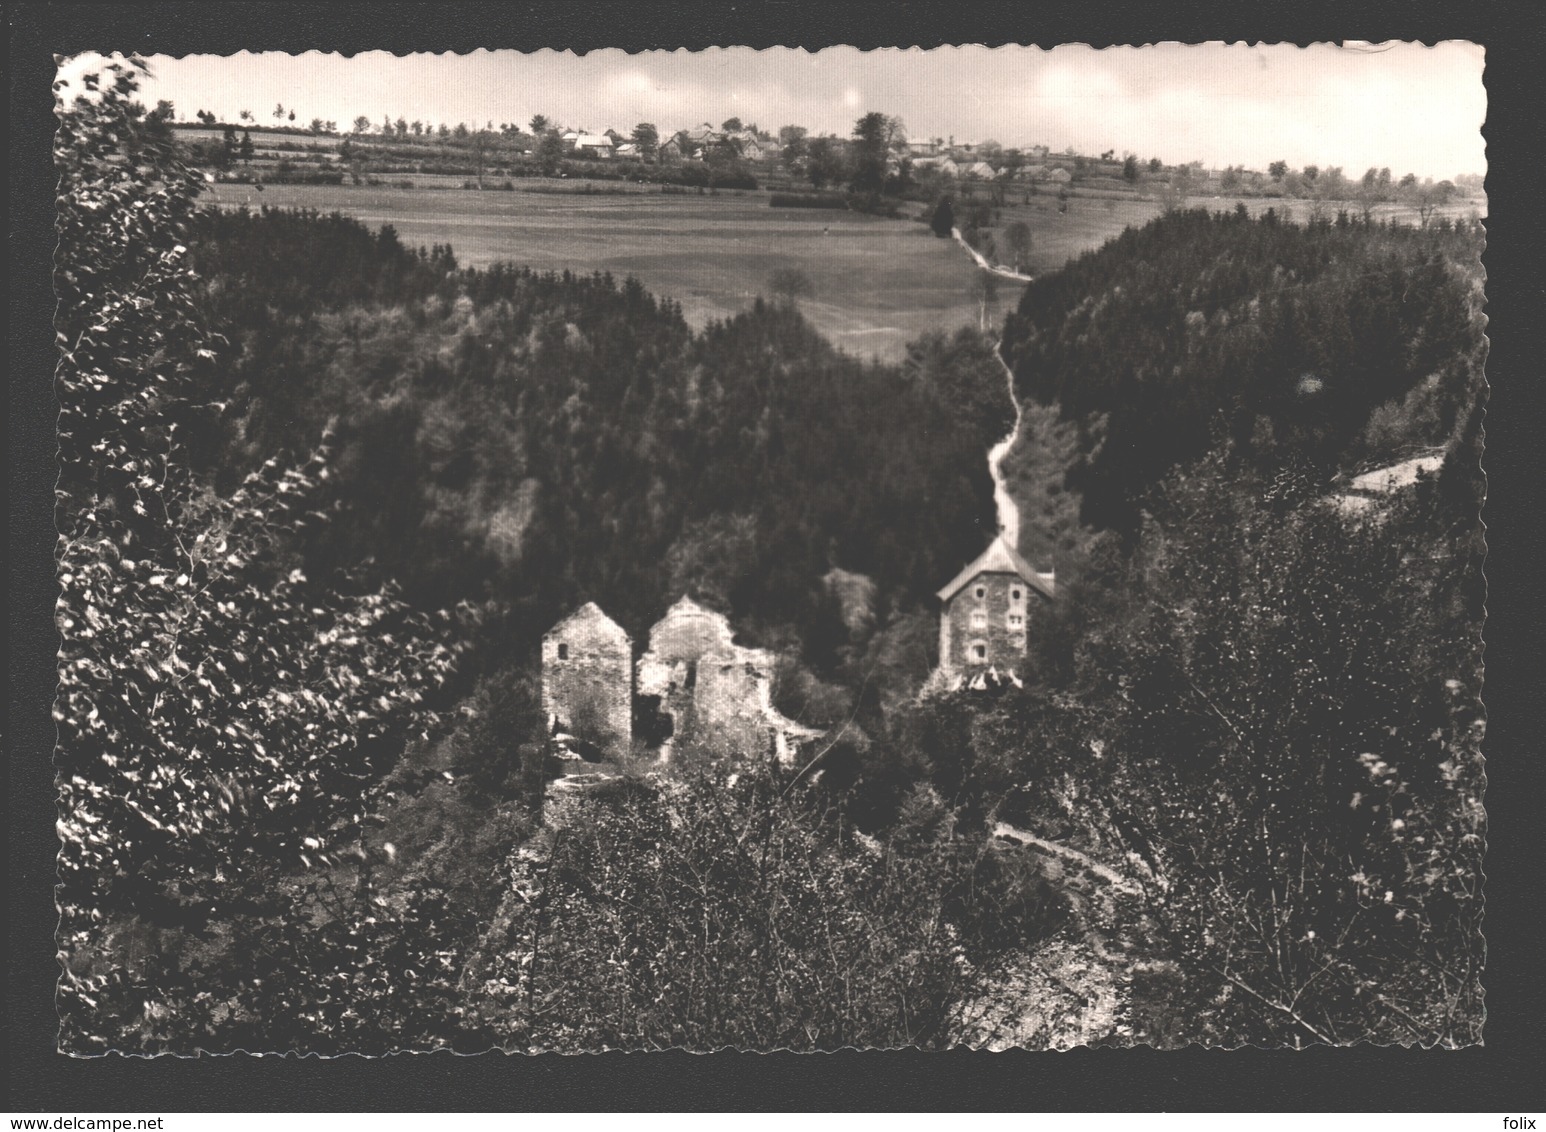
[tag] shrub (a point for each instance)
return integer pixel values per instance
(709, 913)
(790, 283)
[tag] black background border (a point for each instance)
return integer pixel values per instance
(1496, 1077)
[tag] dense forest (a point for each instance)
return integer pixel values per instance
(303, 808)
(548, 439)
(1329, 346)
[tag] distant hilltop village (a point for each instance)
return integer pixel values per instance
(737, 155)
(695, 685)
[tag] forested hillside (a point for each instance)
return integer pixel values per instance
(544, 440)
(1322, 346)
(1267, 706)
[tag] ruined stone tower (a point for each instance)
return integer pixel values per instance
(988, 608)
(716, 693)
(587, 679)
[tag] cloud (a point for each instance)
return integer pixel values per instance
(1406, 106)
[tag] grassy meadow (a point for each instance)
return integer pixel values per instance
(878, 283)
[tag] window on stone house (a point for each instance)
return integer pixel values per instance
(979, 652)
(563, 651)
(690, 681)
(1016, 594)
(981, 592)
(979, 619)
(1017, 621)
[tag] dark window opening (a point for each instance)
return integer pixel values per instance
(982, 592)
(980, 652)
(651, 723)
(563, 652)
(691, 680)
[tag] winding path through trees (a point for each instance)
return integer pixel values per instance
(1073, 856)
(1001, 272)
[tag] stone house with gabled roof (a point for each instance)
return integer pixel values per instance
(987, 612)
(587, 679)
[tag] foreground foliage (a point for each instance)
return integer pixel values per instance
(221, 719)
(709, 913)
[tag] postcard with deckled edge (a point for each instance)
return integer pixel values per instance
(771, 550)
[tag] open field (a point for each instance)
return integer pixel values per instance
(879, 283)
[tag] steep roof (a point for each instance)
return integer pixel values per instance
(591, 613)
(1000, 558)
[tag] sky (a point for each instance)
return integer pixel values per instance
(1411, 108)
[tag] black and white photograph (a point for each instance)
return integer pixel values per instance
(965, 548)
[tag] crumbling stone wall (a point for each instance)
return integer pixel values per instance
(985, 622)
(717, 693)
(587, 679)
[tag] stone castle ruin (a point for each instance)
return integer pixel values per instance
(587, 679)
(695, 685)
(716, 693)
